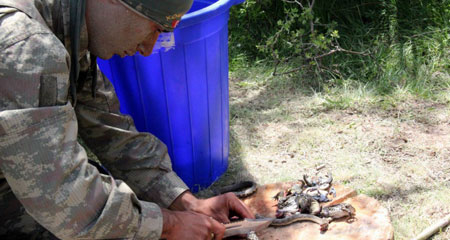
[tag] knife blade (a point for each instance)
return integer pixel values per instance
(247, 225)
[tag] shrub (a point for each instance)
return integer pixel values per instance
(386, 43)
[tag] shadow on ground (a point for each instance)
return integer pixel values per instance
(236, 172)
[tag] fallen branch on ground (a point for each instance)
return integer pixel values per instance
(433, 228)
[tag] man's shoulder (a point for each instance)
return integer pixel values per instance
(16, 26)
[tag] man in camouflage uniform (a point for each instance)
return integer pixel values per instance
(47, 186)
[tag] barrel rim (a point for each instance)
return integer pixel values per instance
(210, 11)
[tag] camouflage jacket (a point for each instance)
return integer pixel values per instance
(40, 158)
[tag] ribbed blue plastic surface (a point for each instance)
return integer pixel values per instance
(181, 96)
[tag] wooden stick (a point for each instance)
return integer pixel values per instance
(433, 228)
(320, 167)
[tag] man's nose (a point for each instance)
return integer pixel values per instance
(146, 47)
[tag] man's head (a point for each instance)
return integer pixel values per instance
(124, 27)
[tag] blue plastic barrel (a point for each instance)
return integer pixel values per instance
(181, 96)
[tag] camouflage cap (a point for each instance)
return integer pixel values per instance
(166, 13)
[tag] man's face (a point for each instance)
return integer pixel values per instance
(115, 29)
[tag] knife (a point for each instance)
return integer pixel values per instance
(245, 226)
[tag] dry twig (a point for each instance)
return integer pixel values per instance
(315, 58)
(429, 231)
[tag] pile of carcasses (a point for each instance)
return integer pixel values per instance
(306, 195)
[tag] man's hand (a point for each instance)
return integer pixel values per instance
(190, 225)
(219, 207)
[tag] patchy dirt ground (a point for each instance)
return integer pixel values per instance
(395, 151)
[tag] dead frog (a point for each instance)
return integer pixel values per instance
(339, 211)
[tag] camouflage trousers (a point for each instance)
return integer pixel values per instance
(15, 222)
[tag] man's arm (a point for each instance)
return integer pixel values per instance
(139, 159)
(142, 161)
